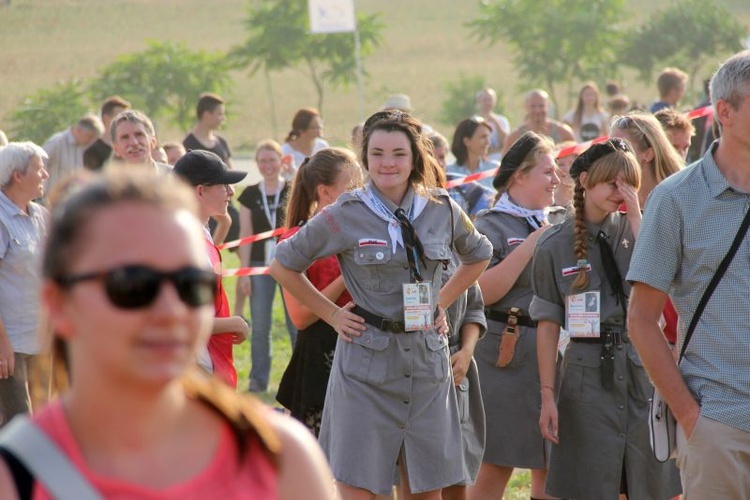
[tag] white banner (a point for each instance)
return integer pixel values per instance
(332, 16)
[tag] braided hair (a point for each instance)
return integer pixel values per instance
(602, 162)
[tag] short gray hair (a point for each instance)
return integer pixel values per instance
(133, 116)
(731, 82)
(16, 157)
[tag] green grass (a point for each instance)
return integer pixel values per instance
(425, 44)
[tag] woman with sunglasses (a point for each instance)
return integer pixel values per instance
(390, 396)
(597, 423)
(136, 418)
(320, 180)
(656, 156)
(506, 356)
(471, 143)
(658, 160)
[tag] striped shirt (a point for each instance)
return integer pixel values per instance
(21, 239)
(690, 222)
(65, 157)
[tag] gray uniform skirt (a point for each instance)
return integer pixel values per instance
(603, 433)
(512, 401)
(471, 416)
(388, 393)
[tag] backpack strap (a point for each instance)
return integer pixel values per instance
(45, 461)
(23, 479)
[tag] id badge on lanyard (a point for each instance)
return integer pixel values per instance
(269, 248)
(582, 314)
(418, 306)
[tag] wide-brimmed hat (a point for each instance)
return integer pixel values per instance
(397, 101)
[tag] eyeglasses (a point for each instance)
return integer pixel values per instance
(626, 122)
(137, 286)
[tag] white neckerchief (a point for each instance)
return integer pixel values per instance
(271, 217)
(507, 206)
(376, 205)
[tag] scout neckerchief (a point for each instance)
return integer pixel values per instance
(535, 218)
(376, 205)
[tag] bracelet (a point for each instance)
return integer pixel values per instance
(548, 387)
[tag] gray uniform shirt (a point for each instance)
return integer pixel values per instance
(689, 224)
(373, 273)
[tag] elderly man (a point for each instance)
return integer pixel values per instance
(486, 100)
(537, 106)
(98, 153)
(22, 229)
(689, 224)
(65, 148)
(134, 140)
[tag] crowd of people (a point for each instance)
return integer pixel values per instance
(442, 338)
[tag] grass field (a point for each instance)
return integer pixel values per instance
(425, 45)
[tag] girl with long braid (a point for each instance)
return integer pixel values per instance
(597, 424)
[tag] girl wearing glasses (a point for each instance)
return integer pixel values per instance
(506, 358)
(597, 423)
(262, 209)
(390, 396)
(129, 309)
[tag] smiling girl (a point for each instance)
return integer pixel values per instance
(390, 397)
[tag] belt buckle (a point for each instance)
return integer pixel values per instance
(392, 326)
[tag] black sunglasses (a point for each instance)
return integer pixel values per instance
(137, 286)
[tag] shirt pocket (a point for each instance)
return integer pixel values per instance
(373, 261)
(364, 359)
(21, 255)
(439, 254)
(581, 372)
(437, 359)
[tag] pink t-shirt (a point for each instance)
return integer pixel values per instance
(224, 477)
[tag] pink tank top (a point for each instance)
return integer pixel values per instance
(224, 477)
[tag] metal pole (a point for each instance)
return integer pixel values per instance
(360, 79)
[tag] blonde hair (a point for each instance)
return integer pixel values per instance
(606, 168)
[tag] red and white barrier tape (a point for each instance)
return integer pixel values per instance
(578, 148)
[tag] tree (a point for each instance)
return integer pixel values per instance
(48, 111)
(278, 37)
(555, 41)
(165, 80)
(461, 100)
(687, 34)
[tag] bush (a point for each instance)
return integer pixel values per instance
(48, 111)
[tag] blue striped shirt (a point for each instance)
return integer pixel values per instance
(21, 239)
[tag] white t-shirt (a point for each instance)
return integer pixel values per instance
(592, 126)
(298, 157)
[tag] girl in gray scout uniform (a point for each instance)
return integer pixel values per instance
(506, 357)
(468, 325)
(390, 397)
(598, 426)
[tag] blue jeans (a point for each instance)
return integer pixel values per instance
(261, 310)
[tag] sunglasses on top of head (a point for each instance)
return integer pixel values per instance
(137, 286)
